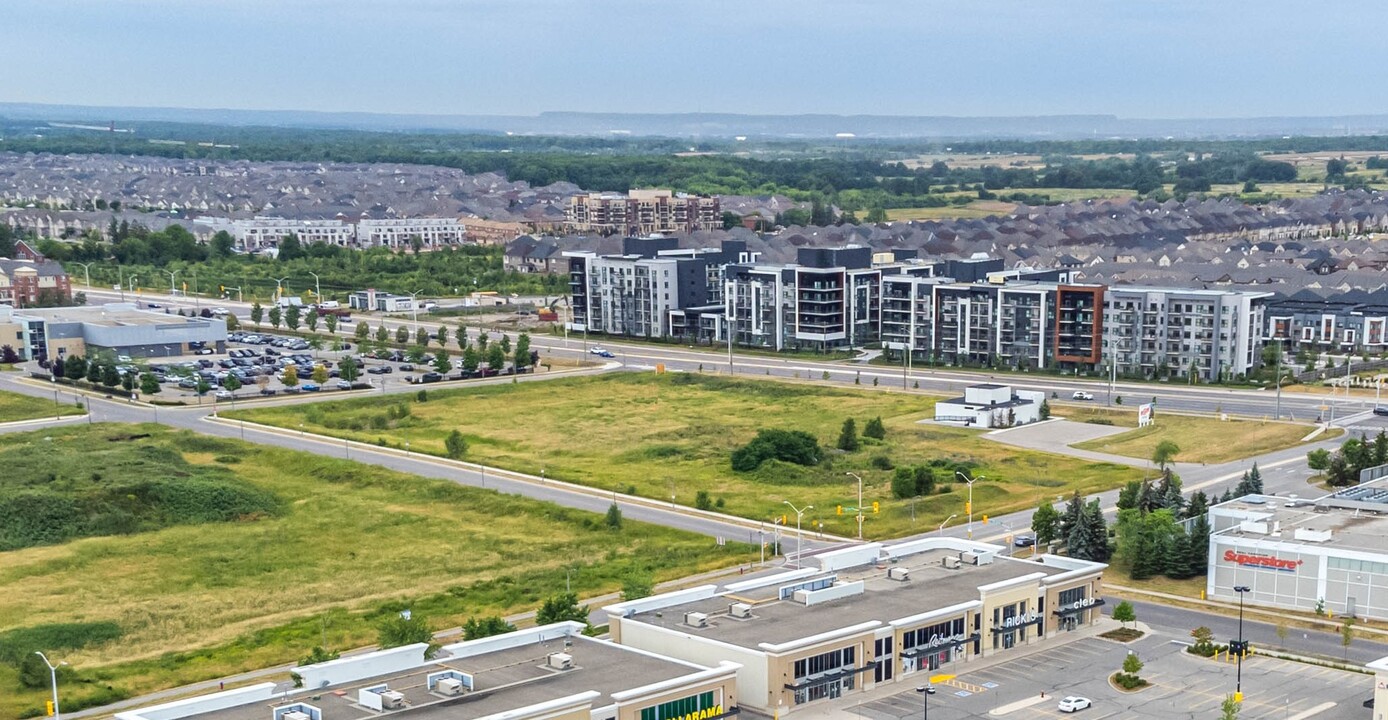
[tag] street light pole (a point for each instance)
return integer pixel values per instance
(1238, 682)
(86, 271)
(800, 536)
(926, 691)
(970, 505)
(53, 675)
(414, 309)
(173, 274)
(946, 522)
(860, 503)
(317, 289)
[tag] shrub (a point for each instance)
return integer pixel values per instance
(874, 429)
(848, 436)
(792, 446)
(318, 655)
(881, 462)
(703, 501)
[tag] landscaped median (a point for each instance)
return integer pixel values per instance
(1201, 439)
(673, 436)
(149, 558)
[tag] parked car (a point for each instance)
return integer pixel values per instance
(379, 370)
(203, 351)
(1081, 395)
(123, 358)
(343, 385)
(1074, 702)
(310, 387)
(223, 394)
(1024, 541)
(407, 367)
(430, 377)
(267, 392)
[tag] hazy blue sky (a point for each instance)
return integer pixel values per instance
(1134, 58)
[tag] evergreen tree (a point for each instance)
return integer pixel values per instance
(848, 436)
(1093, 520)
(1176, 556)
(1255, 480)
(1071, 518)
(1198, 505)
(522, 355)
(1128, 497)
(874, 429)
(1197, 547)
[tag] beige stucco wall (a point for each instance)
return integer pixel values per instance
(724, 694)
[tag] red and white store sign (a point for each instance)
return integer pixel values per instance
(1261, 561)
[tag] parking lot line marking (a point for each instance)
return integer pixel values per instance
(1313, 711)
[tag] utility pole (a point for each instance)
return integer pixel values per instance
(800, 536)
(855, 476)
(1278, 411)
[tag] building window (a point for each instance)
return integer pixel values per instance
(679, 708)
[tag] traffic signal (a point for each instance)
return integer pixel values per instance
(840, 510)
(49, 705)
(968, 507)
(876, 507)
(783, 520)
(222, 288)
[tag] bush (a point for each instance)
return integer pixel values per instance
(792, 446)
(702, 500)
(318, 655)
(874, 429)
(881, 462)
(909, 482)
(848, 436)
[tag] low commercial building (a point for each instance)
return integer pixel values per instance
(372, 300)
(865, 616)
(551, 672)
(117, 328)
(1326, 554)
(992, 406)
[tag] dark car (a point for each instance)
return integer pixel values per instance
(406, 367)
(379, 370)
(267, 392)
(1381, 409)
(1024, 541)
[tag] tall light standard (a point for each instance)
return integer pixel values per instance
(86, 272)
(800, 537)
(53, 674)
(1238, 681)
(969, 506)
(414, 309)
(946, 522)
(860, 503)
(279, 288)
(926, 691)
(173, 274)
(317, 289)
(133, 278)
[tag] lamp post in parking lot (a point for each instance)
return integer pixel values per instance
(1238, 678)
(926, 691)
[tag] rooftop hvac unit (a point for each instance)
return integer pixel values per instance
(561, 661)
(898, 573)
(984, 559)
(740, 610)
(295, 715)
(951, 562)
(696, 619)
(969, 558)
(450, 686)
(392, 700)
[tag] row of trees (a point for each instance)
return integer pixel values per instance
(1081, 527)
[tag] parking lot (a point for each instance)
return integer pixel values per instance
(1183, 686)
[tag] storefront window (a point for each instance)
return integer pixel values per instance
(676, 709)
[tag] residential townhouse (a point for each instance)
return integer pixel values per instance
(1327, 325)
(403, 233)
(25, 283)
(262, 233)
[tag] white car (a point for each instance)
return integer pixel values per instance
(1082, 395)
(1073, 703)
(220, 312)
(596, 350)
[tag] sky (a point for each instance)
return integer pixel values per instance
(1131, 58)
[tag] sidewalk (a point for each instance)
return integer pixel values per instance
(1249, 611)
(825, 711)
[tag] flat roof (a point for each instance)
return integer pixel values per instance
(112, 315)
(1350, 528)
(775, 621)
(503, 680)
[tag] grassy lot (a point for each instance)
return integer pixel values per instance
(664, 435)
(346, 545)
(14, 407)
(1201, 439)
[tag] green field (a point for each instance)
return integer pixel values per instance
(15, 407)
(339, 546)
(664, 435)
(1201, 439)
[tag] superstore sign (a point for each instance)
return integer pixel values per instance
(1261, 561)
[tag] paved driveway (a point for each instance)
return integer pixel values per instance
(1056, 436)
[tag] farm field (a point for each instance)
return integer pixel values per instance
(664, 436)
(15, 407)
(204, 557)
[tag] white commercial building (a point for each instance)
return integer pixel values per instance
(1330, 553)
(992, 406)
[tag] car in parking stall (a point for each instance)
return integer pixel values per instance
(1074, 703)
